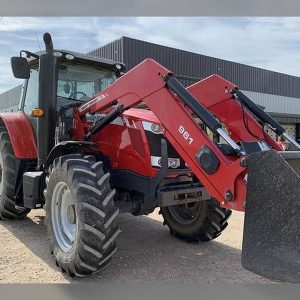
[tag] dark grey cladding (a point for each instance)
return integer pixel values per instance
(190, 67)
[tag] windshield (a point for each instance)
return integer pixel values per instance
(79, 83)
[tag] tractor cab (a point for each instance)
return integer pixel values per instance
(55, 79)
(79, 77)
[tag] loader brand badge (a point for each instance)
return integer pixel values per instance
(97, 117)
(92, 102)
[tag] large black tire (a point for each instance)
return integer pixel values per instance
(196, 222)
(8, 175)
(95, 214)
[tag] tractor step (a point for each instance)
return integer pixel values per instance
(271, 244)
(32, 189)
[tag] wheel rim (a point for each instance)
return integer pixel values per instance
(186, 213)
(1, 175)
(64, 219)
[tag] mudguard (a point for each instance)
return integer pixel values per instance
(21, 134)
(271, 243)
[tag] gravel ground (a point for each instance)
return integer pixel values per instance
(146, 254)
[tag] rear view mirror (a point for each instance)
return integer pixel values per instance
(20, 67)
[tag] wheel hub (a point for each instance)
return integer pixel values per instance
(71, 214)
(64, 219)
(186, 213)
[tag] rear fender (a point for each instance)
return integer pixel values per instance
(21, 134)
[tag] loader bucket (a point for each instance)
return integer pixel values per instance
(271, 242)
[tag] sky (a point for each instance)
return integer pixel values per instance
(269, 42)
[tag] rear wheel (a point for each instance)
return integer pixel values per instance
(81, 215)
(197, 221)
(9, 165)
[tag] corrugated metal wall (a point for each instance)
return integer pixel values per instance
(196, 66)
(113, 51)
(9, 101)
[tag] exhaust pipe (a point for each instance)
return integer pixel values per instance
(48, 42)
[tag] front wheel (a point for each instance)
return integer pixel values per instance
(80, 215)
(196, 222)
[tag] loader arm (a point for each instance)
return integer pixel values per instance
(215, 93)
(149, 82)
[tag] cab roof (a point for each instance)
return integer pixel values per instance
(82, 58)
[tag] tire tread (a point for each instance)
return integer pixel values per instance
(96, 214)
(214, 222)
(8, 210)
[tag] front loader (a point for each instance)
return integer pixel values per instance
(91, 141)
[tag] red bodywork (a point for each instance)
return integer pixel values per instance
(145, 83)
(21, 134)
(124, 140)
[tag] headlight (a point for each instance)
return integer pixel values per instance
(70, 56)
(155, 128)
(118, 66)
(57, 54)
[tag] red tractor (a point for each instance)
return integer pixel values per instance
(90, 141)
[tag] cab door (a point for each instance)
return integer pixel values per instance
(29, 98)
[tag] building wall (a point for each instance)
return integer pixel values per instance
(198, 66)
(113, 51)
(9, 101)
(276, 103)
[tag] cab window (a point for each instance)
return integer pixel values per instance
(80, 83)
(31, 92)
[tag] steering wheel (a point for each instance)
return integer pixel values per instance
(74, 94)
